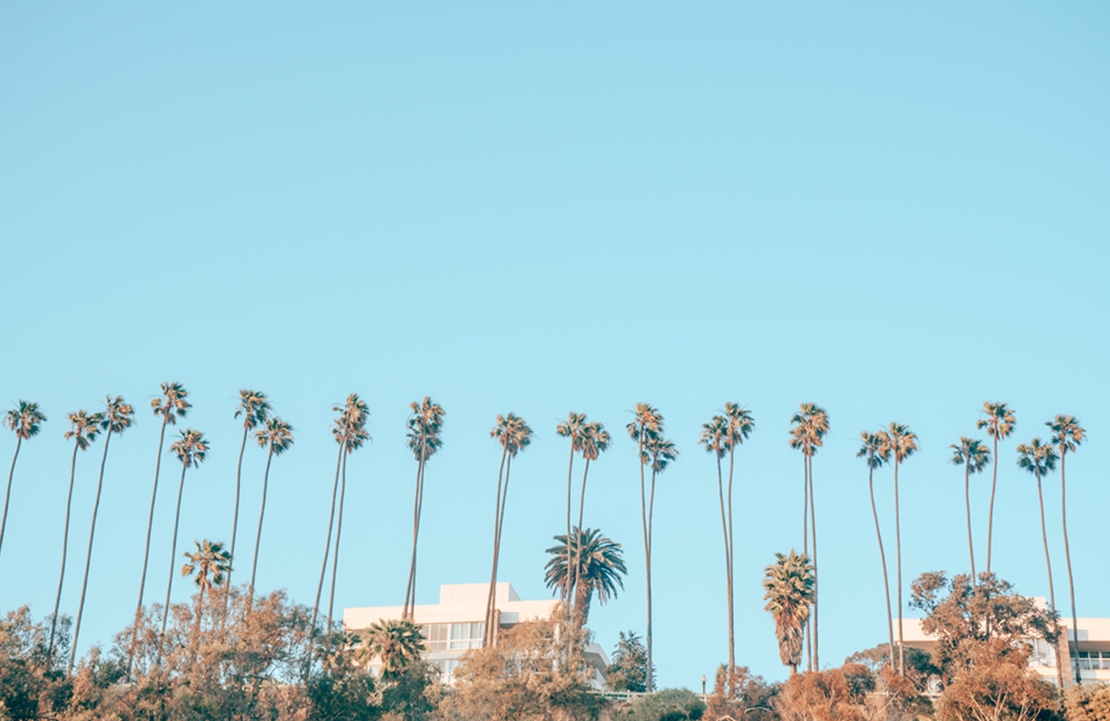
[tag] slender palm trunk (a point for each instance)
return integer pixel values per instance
(990, 513)
(88, 554)
(416, 503)
(650, 539)
(146, 553)
(487, 630)
(173, 547)
(813, 525)
(65, 545)
(898, 552)
(1067, 558)
(731, 569)
(494, 624)
(324, 565)
(808, 630)
(579, 619)
(728, 559)
(882, 558)
(568, 599)
(338, 534)
(647, 557)
(1051, 589)
(967, 502)
(8, 493)
(419, 515)
(258, 536)
(234, 528)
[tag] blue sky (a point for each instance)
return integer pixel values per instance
(897, 211)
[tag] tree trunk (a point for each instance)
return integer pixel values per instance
(731, 571)
(568, 599)
(146, 552)
(405, 615)
(898, 551)
(728, 559)
(495, 615)
(813, 524)
(419, 515)
(258, 536)
(579, 619)
(8, 493)
(324, 566)
(882, 558)
(990, 512)
(88, 555)
(1067, 557)
(234, 529)
(967, 502)
(647, 557)
(65, 545)
(173, 547)
(487, 628)
(650, 538)
(1051, 589)
(338, 534)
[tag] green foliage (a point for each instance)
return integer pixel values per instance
(628, 670)
(667, 705)
(788, 586)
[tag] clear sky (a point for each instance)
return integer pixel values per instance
(896, 210)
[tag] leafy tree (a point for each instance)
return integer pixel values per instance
(788, 586)
(875, 454)
(998, 422)
(998, 689)
(424, 426)
(277, 436)
(672, 704)
(811, 424)
(839, 694)
(24, 421)
(598, 565)
(628, 670)
(974, 457)
(191, 449)
(255, 410)
(743, 696)
(1090, 702)
(396, 644)
(900, 443)
(1068, 435)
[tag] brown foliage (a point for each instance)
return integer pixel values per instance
(1088, 703)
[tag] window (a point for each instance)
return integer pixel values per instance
(466, 635)
(1094, 660)
(447, 668)
(436, 635)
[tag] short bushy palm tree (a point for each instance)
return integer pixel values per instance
(595, 567)
(422, 438)
(974, 457)
(998, 422)
(24, 421)
(513, 434)
(210, 566)
(191, 449)
(900, 443)
(875, 454)
(255, 409)
(788, 591)
(810, 426)
(396, 645)
(1068, 435)
(276, 436)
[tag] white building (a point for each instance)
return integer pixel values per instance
(455, 624)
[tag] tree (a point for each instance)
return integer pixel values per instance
(255, 409)
(1040, 459)
(743, 696)
(839, 694)
(172, 405)
(209, 565)
(671, 704)
(788, 591)
(811, 424)
(24, 421)
(191, 449)
(571, 428)
(277, 436)
(396, 644)
(118, 416)
(595, 566)
(974, 457)
(83, 430)
(900, 443)
(595, 440)
(514, 435)
(1088, 703)
(741, 423)
(875, 454)
(424, 426)
(1068, 435)
(628, 670)
(999, 424)
(713, 437)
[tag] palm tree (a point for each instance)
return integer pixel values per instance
(350, 432)
(811, 424)
(277, 435)
(1040, 459)
(398, 644)
(900, 443)
(1068, 435)
(211, 564)
(875, 454)
(514, 435)
(999, 424)
(572, 429)
(24, 421)
(173, 404)
(117, 418)
(974, 457)
(788, 591)
(713, 435)
(83, 429)
(595, 440)
(255, 409)
(424, 426)
(191, 449)
(741, 423)
(598, 565)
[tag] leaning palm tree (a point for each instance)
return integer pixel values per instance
(899, 443)
(172, 404)
(209, 565)
(788, 591)
(350, 433)
(424, 426)
(191, 449)
(595, 441)
(255, 409)
(1040, 459)
(974, 457)
(1068, 435)
(83, 430)
(999, 424)
(277, 436)
(595, 563)
(24, 421)
(875, 454)
(811, 424)
(117, 418)
(741, 423)
(396, 645)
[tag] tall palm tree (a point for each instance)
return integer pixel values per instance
(191, 449)
(424, 426)
(741, 423)
(974, 457)
(597, 564)
(172, 404)
(788, 591)
(811, 424)
(1068, 435)
(595, 441)
(571, 428)
(255, 409)
(117, 417)
(209, 565)
(900, 443)
(83, 430)
(397, 645)
(351, 434)
(277, 436)
(713, 435)
(875, 454)
(1040, 459)
(514, 435)
(24, 421)
(999, 424)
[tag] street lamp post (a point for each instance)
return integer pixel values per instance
(703, 686)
